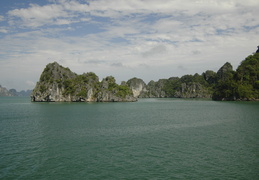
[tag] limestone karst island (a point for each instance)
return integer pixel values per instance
(60, 84)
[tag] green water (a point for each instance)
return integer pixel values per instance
(148, 139)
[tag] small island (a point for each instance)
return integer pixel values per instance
(60, 84)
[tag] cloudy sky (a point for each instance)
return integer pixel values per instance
(148, 39)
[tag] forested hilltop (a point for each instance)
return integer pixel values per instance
(242, 84)
(60, 84)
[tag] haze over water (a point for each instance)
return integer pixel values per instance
(148, 139)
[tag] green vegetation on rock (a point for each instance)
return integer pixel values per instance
(60, 84)
(242, 84)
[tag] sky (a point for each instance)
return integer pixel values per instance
(147, 39)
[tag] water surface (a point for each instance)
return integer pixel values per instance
(148, 139)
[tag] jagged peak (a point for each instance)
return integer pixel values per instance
(226, 67)
(56, 65)
(55, 71)
(135, 81)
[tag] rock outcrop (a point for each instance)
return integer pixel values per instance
(156, 89)
(193, 90)
(59, 84)
(224, 71)
(138, 87)
(187, 86)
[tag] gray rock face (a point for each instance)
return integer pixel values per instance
(156, 89)
(62, 85)
(192, 90)
(138, 87)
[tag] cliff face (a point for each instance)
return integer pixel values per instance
(193, 90)
(185, 87)
(156, 89)
(138, 87)
(60, 84)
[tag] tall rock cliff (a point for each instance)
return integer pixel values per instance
(138, 87)
(60, 84)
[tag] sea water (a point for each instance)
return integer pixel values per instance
(148, 139)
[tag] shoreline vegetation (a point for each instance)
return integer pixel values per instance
(60, 84)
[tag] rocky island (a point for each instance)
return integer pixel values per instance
(60, 84)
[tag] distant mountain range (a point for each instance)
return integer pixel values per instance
(13, 92)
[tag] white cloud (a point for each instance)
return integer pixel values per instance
(30, 84)
(3, 30)
(38, 15)
(64, 12)
(150, 39)
(1, 18)
(157, 50)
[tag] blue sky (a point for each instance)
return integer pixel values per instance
(148, 39)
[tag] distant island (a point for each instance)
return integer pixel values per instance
(13, 92)
(60, 84)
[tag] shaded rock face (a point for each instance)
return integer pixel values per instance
(224, 71)
(192, 90)
(156, 89)
(59, 84)
(210, 76)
